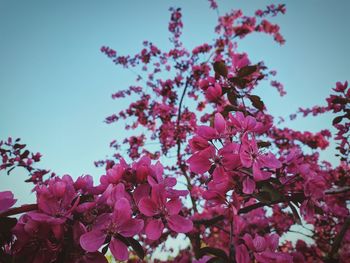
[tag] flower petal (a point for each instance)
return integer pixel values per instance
(206, 132)
(198, 143)
(200, 161)
(122, 210)
(154, 229)
(173, 206)
(269, 160)
(92, 241)
(245, 155)
(179, 224)
(131, 227)
(119, 249)
(248, 186)
(257, 173)
(242, 255)
(259, 243)
(141, 191)
(219, 123)
(148, 207)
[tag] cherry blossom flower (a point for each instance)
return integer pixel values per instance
(119, 223)
(252, 157)
(163, 211)
(6, 200)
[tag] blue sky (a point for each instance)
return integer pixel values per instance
(55, 85)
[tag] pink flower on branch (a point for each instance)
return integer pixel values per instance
(6, 200)
(163, 212)
(116, 226)
(252, 157)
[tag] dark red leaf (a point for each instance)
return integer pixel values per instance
(19, 146)
(25, 154)
(256, 102)
(337, 120)
(7, 222)
(295, 214)
(246, 71)
(216, 260)
(339, 100)
(262, 144)
(209, 222)
(239, 82)
(232, 98)
(213, 251)
(220, 68)
(136, 247)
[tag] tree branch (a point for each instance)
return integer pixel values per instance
(19, 210)
(209, 222)
(178, 141)
(338, 239)
(339, 190)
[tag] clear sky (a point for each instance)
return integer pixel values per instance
(55, 85)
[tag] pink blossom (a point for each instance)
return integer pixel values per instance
(252, 157)
(6, 200)
(245, 123)
(201, 161)
(213, 93)
(160, 210)
(56, 200)
(209, 133)
(264, 248)
(117, 223)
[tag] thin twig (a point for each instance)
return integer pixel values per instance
(339, 238)
(179, 158)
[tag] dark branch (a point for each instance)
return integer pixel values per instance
(339, 190)
(19, 210)
(338, 239)
(209, 222)
(178, 141)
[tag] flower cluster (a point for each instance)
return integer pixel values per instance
(247, 180)
(131, 200)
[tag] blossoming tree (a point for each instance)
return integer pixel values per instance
(247, 180)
